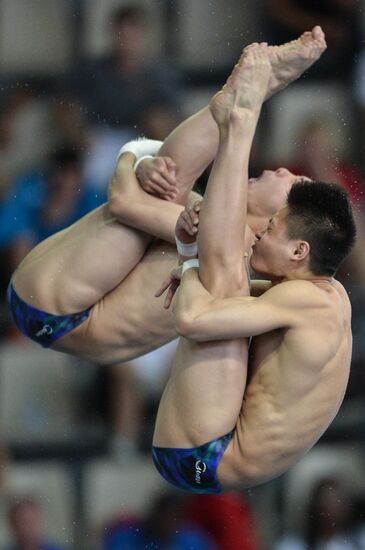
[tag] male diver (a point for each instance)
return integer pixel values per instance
(213, 430)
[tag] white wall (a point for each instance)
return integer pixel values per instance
(212, 33)
(34, 36)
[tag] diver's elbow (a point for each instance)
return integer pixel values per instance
(188, 327)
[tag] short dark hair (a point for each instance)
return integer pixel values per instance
(64, 158)
(321, 214)
(314, 509)
(131, 13)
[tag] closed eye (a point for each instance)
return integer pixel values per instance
(270, 225)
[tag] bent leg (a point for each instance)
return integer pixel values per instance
(193, 144)
(71, 270)
(201, 404)
(204, 395)
(223, 214)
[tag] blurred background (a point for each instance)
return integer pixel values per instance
(78, 78)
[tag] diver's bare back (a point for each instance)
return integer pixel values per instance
(297, 383)
(75, 269)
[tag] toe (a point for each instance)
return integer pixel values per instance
(317, 33)
(250, 46)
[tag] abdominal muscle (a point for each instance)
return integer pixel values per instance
(287, 407)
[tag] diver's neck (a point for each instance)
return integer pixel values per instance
(257, 222)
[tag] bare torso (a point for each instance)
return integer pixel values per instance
(297, 382)
(100, 263)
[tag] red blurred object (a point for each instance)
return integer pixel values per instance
(226, 518)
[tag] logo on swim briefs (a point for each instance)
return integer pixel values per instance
(200, 468)
(46, 329)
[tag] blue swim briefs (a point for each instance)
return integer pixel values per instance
(195, 469)
(44, 328)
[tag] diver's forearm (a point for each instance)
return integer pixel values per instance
(132, 206)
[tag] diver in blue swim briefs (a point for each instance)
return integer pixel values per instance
(212, 431)
(87, 290)
(195, 423)
(44, 328)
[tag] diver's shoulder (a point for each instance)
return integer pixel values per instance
(300, 295)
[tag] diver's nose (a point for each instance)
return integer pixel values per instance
(259, 234)
(281, 171)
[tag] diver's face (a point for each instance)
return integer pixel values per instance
(268, 193)
(130, 38)
(272, 250)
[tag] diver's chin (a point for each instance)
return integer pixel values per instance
(258, 267)
(261, 274)
(257, 270)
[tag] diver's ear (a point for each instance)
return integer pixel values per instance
(301, 250)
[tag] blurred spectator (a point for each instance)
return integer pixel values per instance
(164, 529)
(42, 203)
(226, 518)
(26, 524)
(26, 133)
(4, 464)
(319, 158)
(340, 20)
(119, 89)
(359, 520)
(127, 396)
(360, 80)
(122, 94)
(127, 408)
(329, 518)
(359, 84)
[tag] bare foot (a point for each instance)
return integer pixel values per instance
(291, 60)
(246, 88)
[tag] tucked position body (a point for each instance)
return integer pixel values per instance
(213, 431)
(88, 290)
